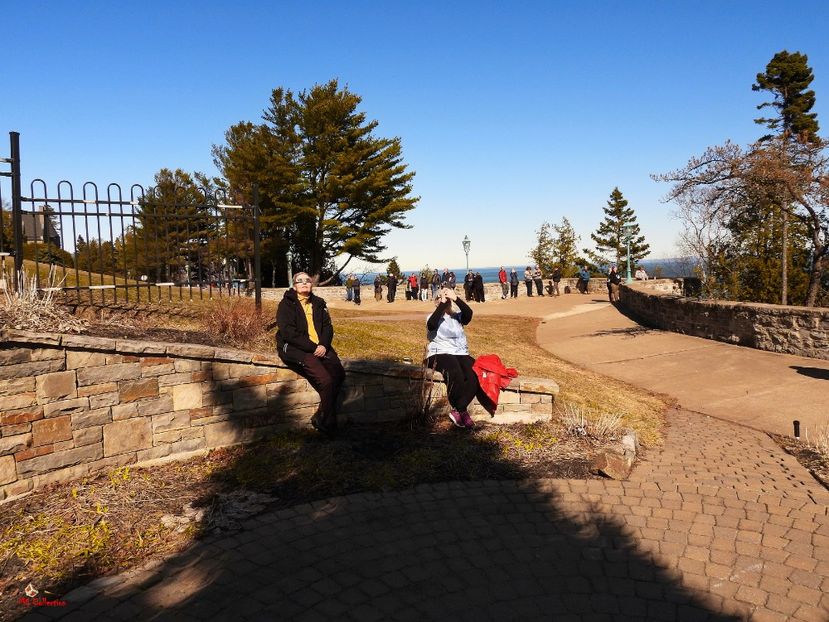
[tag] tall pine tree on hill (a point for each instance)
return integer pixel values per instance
(610, 237)
(787, 78)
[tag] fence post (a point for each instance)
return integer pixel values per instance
(17, 209)
(257, 257)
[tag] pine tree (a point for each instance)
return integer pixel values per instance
(565, 248)
(611, 235)
(393, 268)
(788, 77)
(542, 255)
(328, 186)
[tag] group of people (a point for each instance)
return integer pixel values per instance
(304, 343)
(424, 286)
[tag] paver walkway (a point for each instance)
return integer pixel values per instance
(718, 524)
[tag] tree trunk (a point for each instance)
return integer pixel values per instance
(784, 285)
(816, 276)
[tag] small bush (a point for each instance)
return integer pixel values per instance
(235, 321)
(24, 307)
(820, 442)
(578, 421)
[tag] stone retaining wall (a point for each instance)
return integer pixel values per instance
(803, 331)
(72, 405)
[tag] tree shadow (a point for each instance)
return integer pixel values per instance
(812, 372)
(495, 545)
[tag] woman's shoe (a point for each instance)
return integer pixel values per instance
(457, 419)
(467, 420)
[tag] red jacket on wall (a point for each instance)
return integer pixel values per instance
(493, 376)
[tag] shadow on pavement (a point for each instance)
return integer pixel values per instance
(812, 372)
(485, 550)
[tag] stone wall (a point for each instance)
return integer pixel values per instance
(72, 405)
(803, 331)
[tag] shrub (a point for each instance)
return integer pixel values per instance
(235, 321)
(47, 253)
(579, 421)
(27, 308)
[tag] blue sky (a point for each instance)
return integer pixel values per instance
(510, 113)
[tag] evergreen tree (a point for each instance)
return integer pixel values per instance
(610, 237)
(393, 268)
(543, 255)
(788, 77)
(326, 182)
(565, 248)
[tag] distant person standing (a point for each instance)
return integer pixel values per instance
(528, 281)
(444, 278)
(435, 285)
(414, 286)
(641, 275)
(613, 282)
(513, 283)
(355, 288)
(348, 293)
(538, 280)
(584, 280)
(468, 284)
(478, 287)
(391, 287)
(502, 278)
(378, 288)
(452, 281)
(424, 286)
(556, 278)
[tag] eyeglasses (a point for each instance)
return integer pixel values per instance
(298, 281)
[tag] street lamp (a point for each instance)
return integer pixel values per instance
(289, 258)
(628, 234)
(466, 245)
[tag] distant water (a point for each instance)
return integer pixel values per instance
(670, 269)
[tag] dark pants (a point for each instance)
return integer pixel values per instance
(513, 290)
(415, 293)
(356, 295)
(539, 286)
(461, 380)
(391, 293)
(529, 285)
(326, 375)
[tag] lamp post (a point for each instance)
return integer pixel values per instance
(628, 234)
(289, 258)
(466, 245)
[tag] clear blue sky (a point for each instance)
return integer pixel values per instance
(511, 113)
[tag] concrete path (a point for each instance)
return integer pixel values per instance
(719, 524)
(763, 390)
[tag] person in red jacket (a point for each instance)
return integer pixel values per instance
(502, 278)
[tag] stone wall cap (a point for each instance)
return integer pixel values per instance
(128, 346)
(87, 342)
(190, 350)
(12, 335)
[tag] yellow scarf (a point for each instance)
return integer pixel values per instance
(305, 301)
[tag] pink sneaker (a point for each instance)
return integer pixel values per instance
(467, 420)
(457, 419)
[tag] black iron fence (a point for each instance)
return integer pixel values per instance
(143, 245)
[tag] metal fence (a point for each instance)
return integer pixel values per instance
(143, 245)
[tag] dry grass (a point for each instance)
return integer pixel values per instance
(236, 322)
(513, 339)
(25, 308)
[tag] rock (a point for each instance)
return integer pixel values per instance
(612, 465)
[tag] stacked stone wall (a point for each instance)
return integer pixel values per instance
(803, 331)
(72, 405)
